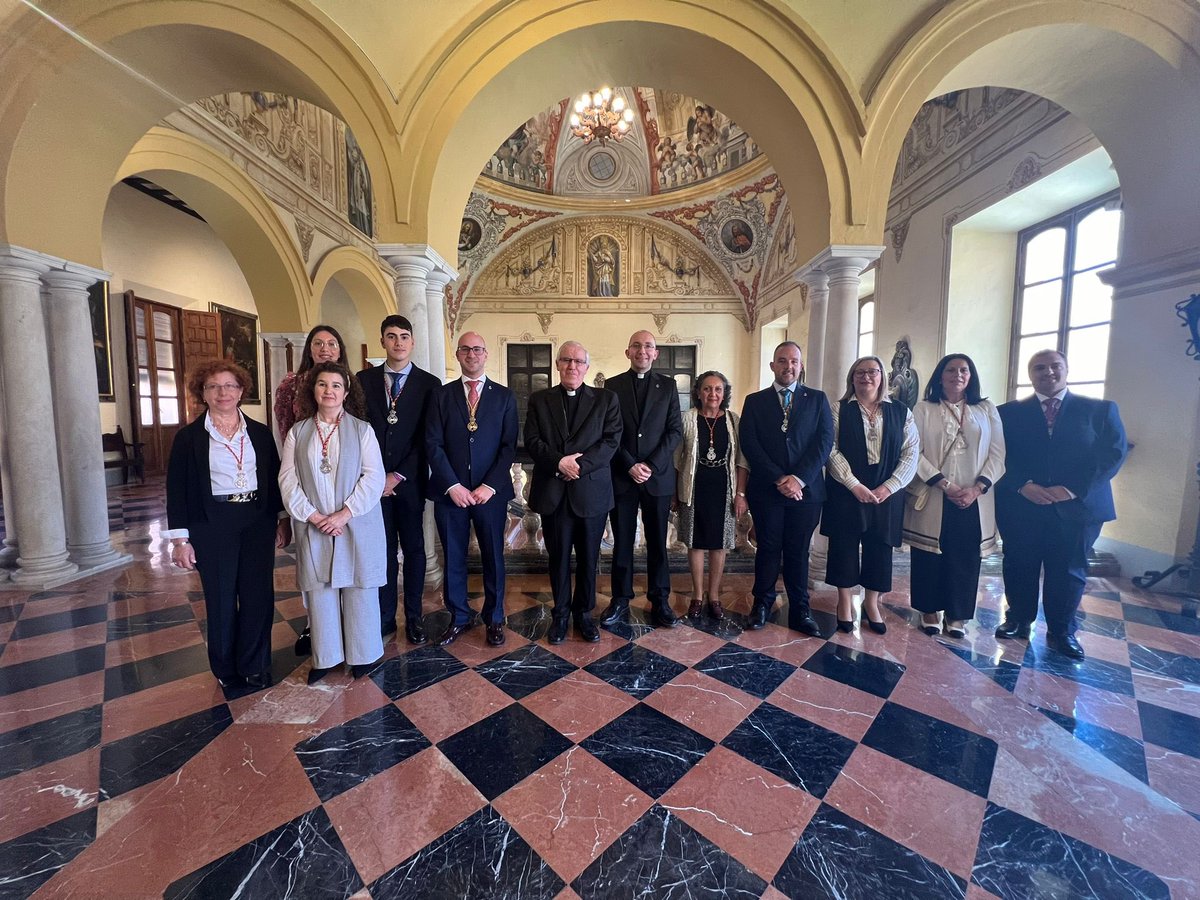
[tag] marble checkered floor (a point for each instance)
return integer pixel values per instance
(700, 761)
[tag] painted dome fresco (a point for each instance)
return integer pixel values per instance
(652, 142)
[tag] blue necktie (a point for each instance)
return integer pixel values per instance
(396, 385)
(785, 399)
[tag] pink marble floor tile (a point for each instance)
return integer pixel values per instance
(50, 700)
(348, 702)
(1099, 646)
(581, 653)
(158, 705)
(1175, 776)
(152, 643)
(1101, 607)
(449, 706)
(1180, 696)
(682, 644)
(1061, 695)
(136, 604)
(704, 704)
(53, 605)
(578, 704)
(472, 648)
(781, 643)
(838, 707)
(48, 793)
(51, 644)
(1163, 639)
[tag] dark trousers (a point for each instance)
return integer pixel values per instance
(949, 580)
(655, 513)
(454, 528)
(564, 531)
(842, 566)
(235, 555)
(1053, 550)
(402, 520)
(784, 531)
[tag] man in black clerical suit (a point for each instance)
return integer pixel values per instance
(787, 435)
(643, 473)
(1062, 451)
(398, 396)
(572, 432)
(471, 439)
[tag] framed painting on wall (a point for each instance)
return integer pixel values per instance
(239, 342)
(98, 310)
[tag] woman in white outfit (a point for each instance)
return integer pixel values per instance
(331, 479)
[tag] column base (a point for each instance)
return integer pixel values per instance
(434, 576)
(818, 558)
(44, 572)
(101, 554)
(9, 554)
(24, 580)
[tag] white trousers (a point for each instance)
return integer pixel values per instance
(345, 626)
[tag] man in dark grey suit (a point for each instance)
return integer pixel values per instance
(572, 432)
(643, 472)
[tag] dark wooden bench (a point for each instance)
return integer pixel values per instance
(121, 454)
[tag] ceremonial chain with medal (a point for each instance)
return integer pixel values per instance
(872, 420)
(392, 418)
(240, 480)
(472, 425)
(710, 460)
(326, 466)
(960, 442)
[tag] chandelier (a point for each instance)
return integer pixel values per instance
(599, 116)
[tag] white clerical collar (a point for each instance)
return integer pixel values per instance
(570, 393)
(640, 375)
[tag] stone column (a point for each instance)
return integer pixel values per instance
(435, 301)
(35, 503)
(818, 299)
(77, 418)
(277, 345)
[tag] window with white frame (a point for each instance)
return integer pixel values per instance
(866, 325)
(1061, 303)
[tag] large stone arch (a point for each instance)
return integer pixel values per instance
(369, 286)
(75, 99)
(240, 215)
(789, 93)
(1127, 73)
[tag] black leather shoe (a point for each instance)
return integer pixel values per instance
(358, 671)
(846, 626)
(495, 634)
(1012, 628)
(315, 674)
(758, 616)
(388, 629)
(234, 681)
(259, 680)
(452, 634)
(415, 631)
(1066, 644)
(618, 611)
(879, 627)
(587, 629)
(806, 624)
(663, 617)
(558, 631)
(304, 642)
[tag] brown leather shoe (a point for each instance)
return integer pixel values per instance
(696, 607)
(452, 634)
(715, 609)
(495, 634)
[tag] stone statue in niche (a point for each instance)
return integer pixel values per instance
(358, 187)
(904, 384)
(604, 266)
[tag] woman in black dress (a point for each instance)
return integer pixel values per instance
(710, 487)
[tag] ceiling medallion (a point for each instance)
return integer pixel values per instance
(599, 116)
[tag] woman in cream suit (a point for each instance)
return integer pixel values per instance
(950, 512)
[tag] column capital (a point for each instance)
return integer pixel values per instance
(64, 271)
(280, 339)
(1179, 270)
(842, 260)
(20, 264)
(415, 260)
(817, 281)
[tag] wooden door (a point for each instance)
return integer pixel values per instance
(201, 342)
(156, 358)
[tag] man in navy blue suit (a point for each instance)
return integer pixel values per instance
(1062, 451)
(471, 439)
(787, 435)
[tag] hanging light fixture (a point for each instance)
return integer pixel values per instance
(599, 116)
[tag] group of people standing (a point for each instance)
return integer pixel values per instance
(362, 454)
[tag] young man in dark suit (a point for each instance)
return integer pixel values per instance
(471, 439)
(643, 473)
(1062, 451)
(398, 395)
(572, 432)
(787, 435)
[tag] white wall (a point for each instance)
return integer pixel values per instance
(338, 310)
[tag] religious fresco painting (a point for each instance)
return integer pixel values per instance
(604, 266)
(358, 187)
(239, 342)
(98, 310)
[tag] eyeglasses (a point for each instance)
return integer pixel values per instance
(470, 350)
(217, 388)
(578, 363)
(319, 344)
(868, 373)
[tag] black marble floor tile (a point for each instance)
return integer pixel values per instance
(795, 749)
(155, 670)
(32, 626)
(1018, 857)
(1144, 615)
(153, 620)
(38, 672)
(143, 757)
(481, 858)
(29, 861)
(648, 748)
(939, 748)
(1097, 673)
(636, 623)
(348, 754)
(746, 669)
(987, 619)
(1105, 625)
(1165, 663)
(503, 749)
(302, 858)
(1170, 729)
(415, 670)
(1000, 671)
(660, 855)
(855, 668)
(729, 627)
(1104, 595)
(635, 670)
(531, 623)
(51, 594)
(837, 856)
(1127, 753)
(525, 670)
(35, 745)
(10, 611)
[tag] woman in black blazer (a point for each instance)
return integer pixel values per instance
(223, 517)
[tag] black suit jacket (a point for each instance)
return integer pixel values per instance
(402, 444)
(1084, 453)
(471, 458)
(801, 451)
(189, 482)
(649, 434)
(597, 435)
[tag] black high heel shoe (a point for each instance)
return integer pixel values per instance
(847, 627)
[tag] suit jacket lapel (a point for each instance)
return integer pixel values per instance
(200, 448)
(587, 399)
(460, 399)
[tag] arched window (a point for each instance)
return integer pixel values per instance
(866, 325)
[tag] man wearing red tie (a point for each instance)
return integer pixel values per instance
(1062, 451)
